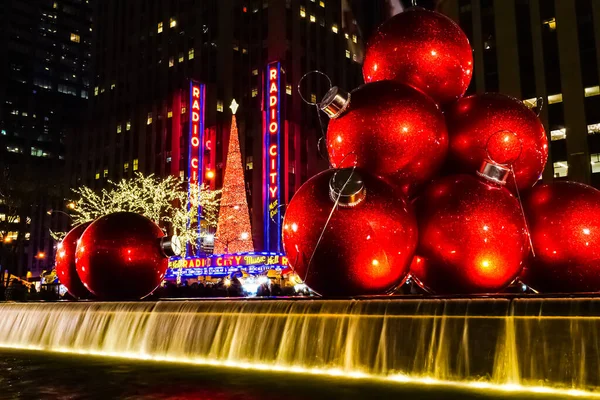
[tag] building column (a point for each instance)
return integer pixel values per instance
(572, 90)
(540, 78)
(507, 48)
(477, 45)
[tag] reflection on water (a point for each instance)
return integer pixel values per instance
(534, 342)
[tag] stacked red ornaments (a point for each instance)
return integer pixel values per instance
(473, 234)
(119, 256)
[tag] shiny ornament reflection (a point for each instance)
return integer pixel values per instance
(478, 126)
(119, 256)
(391, 130)
(65, 263)
(424, 49)
(564, 221)
(472, 236)
(365, 249)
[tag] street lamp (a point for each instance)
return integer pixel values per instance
(51, 211)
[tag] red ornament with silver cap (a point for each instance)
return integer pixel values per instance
(392, 130)
(424, 49)
(65, 263)
(474, 120)
(472, 234)
(124, 256)
(564, 221)
(348, 233)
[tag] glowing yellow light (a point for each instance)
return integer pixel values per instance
(433, 53)
(485, 263)
(210, 174)
(586, 231)
(227, 282)
(71, 205)
(375, 263)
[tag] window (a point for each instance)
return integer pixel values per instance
(592, 91)
(97, 175)
(550, 23)
(255, 72)
(128, 125)
(347, 53)
(55, 5)
(13, 149)
(558, 134)
(322, 4)
(105, 172)
(334, 28)
(96, 91)
(171, 62)
(172, 22)
(593, 129)
(135, 164)
(126, 167)
(313, 18)
(313, 98)
(354, 38)
(119, 128)
(149, 120)
(346, 36)
(169, 114)
(190, 54)
(555, 98)
(183, 110)
(560, 169)
(181, 58)
(75, 38)
(219, 106)
(249, 163)
(160, 27)
(3, 132)
(113, 86)
(254, 92)
(302, 12)
(288, 89)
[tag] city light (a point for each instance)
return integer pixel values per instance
(41, 255)
(71, 205)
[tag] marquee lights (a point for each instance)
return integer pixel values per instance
(272, 166)
(222, 265)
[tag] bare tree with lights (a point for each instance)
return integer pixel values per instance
(163, 200)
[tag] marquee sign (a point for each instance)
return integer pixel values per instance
(221, 265)
(271, 162)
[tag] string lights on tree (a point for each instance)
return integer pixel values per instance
(234, 232)
(162, 200)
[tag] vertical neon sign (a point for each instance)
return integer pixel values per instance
(196, 146)
(271, 161)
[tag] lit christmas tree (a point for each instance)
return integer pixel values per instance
(234, 233)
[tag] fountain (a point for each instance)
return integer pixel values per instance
(525, 344)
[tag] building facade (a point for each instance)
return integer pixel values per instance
(45, 48)
(147, 53)
(546, 49)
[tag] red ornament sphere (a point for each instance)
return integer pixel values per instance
(366, 248)
(564, 221)
(391, 130)
(424, 49)
(472, 236)
(119, 256)
(479, 127)
(65, 263)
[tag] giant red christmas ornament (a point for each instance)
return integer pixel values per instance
(65, 263)
(390, 129)
(363, 247)
(472, 236)
(497, 126)
(123, 256)
(424, 49)
(564, 221)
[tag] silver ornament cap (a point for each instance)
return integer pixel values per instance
(335, 102)
(493, 172)
(348, 186)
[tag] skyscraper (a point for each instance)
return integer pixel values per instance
(146, 54)
(547, 49)
(44, 65)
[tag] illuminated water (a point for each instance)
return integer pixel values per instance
(539, 345)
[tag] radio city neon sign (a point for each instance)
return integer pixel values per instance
(272, 164)
(195, 132)
(273, 130)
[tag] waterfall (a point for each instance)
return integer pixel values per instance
(543, 343)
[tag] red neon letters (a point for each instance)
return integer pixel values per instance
(195, 133)
(273, 130)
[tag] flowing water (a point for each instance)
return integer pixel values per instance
(541, 343)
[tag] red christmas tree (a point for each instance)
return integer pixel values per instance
(234, 233)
